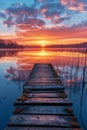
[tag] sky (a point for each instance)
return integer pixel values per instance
(44, 22)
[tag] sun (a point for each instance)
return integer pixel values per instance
(43, 43)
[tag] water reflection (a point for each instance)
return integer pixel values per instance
(15, 67)
(42, 53)
(15, 74)
(45, 55)
(6, 53)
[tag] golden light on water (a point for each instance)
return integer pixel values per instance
(44, 56)
(52, 53)
(42, 53)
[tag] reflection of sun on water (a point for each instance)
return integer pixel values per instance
(42, 53)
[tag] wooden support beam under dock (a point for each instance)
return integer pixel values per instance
(44, 104)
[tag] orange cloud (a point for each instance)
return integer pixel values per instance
(74, 5)
(80, 7)
(8, 37)
(53, 36)
(64, 2)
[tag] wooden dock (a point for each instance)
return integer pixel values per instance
(44, 104)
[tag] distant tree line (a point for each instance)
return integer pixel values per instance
(9, 44)
(74, 45)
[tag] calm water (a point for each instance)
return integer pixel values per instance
(15, 67)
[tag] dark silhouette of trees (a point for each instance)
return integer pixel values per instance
(9, 44)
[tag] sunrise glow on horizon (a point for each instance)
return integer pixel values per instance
(43, 22)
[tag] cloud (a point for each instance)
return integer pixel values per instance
(81, 25)
(51, 14)
(18, 13)
(53, 36)
(31, 23)
(60, 20)
(21, 9)
(8, 22)
(75, 5)
(52, 6)
(2, 15)
(55, 12)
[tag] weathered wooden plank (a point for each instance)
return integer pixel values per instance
(43, 71)
(43, 80)
(38, 128)
(44, 74)
(41, 76)
(48, 100)
(57, 101)
(43, 87)
(47, 71)
(44, 110)
(42, 67)
(46, 95)
(42, 83)
(45, 68)
(42, 64)
(42, 120)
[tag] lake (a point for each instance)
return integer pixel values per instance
(15, 66)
